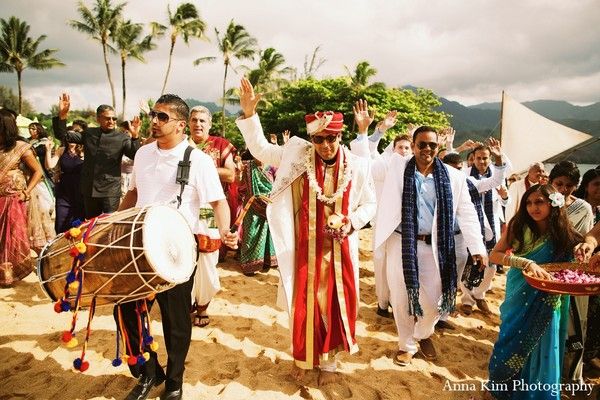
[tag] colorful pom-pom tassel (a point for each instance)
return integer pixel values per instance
(146, 356)
(73, 286)
(57, 307)
(73, 252)
(71, 277)
(75, 232)
(141, 360)
(67, 336)
(151, 296)
(72, 343)
(65, 305)
(81, 247)
(117, 362)
(125, 359)
(148, 340)
(76, 223)
(132, 360)
(154, 346)
(80, 365)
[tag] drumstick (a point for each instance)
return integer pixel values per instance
(240, 218)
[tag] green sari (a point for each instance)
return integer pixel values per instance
(533, 330)
(256, 250)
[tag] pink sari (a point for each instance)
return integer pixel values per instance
(15, 259)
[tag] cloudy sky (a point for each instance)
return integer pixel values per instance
(467, 50)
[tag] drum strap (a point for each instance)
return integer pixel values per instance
(183, 173)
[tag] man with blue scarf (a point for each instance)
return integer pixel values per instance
(420, 202)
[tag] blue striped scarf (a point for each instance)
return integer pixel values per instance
(472, 276)
(445, 238)
(488, 207)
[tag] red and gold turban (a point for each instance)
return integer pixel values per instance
(328, 122)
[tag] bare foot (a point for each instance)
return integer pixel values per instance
(297, 373)
(326, 377)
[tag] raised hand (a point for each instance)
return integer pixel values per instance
(286, 136)
(248, 99)
(135, 126)
(273, 137)
(495, 147)
(362, 116)
(64, 104)
(410, 129)
(388, 122)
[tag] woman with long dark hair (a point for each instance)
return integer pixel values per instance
(533, 327)
(589, 190)
(15, 190)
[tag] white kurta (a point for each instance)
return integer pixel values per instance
(289, 159)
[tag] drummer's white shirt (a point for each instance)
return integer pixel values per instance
(154, 173)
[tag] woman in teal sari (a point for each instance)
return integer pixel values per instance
(256, 250)
(527, 359)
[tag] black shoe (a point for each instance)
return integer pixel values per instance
(445, 325)
(499, 269)
(144, 386)
(382, 312)
(172, 395)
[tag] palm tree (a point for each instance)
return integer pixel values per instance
(362, 73)
(235, 43)
(269, 74)
(98, 24)
(311, 68)
(18, 51)
(186, 22)
(127, 38)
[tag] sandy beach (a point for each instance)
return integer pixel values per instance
(244, 352)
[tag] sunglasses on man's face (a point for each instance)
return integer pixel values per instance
(160, 116)
(422, 145)
(320, 139)
(110, 118)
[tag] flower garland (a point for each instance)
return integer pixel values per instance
(309, 163)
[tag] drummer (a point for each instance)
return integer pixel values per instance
(153, 181)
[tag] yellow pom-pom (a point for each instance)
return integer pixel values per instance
(81, 247)
(72, 343)
(75, 232)
(146, 356)
(73, 286)
(124, 359)
(151, 296)
(153, 346)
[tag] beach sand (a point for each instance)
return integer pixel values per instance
(244, 352)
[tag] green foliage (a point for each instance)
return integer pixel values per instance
(232, 133)
(338, 94)
(8, 99)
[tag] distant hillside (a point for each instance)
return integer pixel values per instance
(212, 107)
(478, 121)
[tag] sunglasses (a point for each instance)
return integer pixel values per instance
(161, 116)
(110, 118)
(320, 139)
(422, 145)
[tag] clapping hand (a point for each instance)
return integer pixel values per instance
(248, 99)
(362, 116)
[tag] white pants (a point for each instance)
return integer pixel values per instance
(206, 279)
(461, 261)
(382, 289)
(430, 292)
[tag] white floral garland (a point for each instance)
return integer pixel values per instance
(314, 185)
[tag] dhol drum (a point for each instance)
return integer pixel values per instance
(130, 255)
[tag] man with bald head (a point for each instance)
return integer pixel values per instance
(516, 190)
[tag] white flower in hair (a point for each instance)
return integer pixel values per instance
(557, 199)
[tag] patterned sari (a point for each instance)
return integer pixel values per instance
(15, 260)
(532, 336)
(256, 251)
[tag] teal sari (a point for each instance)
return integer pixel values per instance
(533, 331)
(257, 251)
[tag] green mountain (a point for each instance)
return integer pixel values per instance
(482, 120)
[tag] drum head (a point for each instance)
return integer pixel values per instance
(169, 244)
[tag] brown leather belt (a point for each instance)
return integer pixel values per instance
(425, 238)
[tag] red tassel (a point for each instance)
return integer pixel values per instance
(67, 336)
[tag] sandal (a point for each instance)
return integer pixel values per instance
(201, 320)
